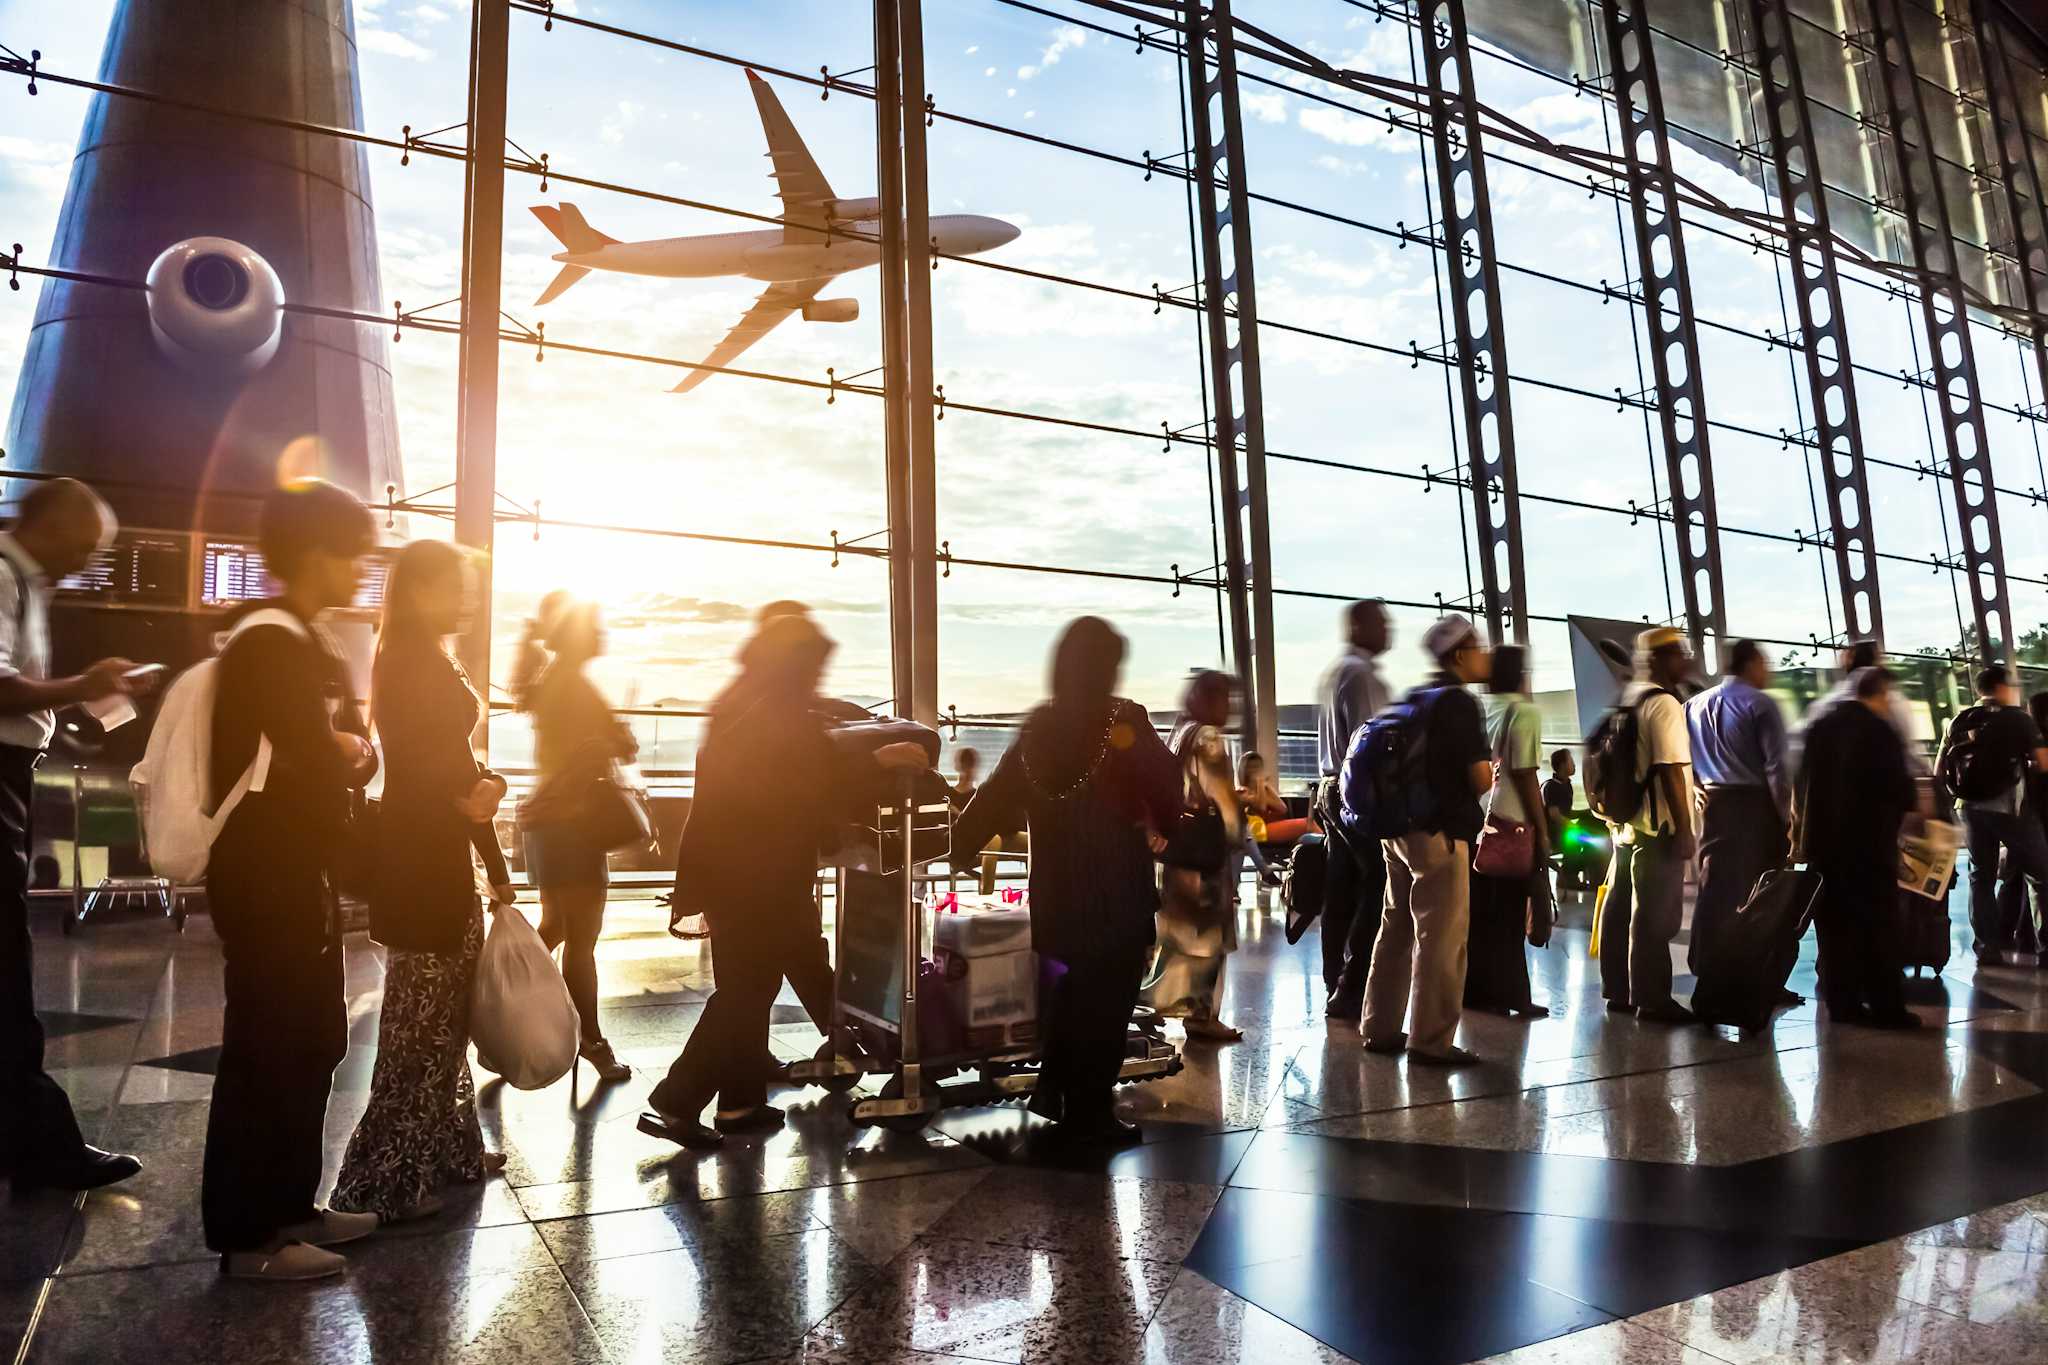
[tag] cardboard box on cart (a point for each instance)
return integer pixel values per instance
(991, 973)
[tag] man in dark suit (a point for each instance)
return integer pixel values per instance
(1856, 791)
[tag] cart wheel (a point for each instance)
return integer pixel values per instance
(901, 1123)
(834, 1084)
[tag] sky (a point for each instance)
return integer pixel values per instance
(603, 441)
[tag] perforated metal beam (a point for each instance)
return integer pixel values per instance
(2016, 173)
(1230, 305)
(476, 365)
(1473, 267)
(1667, 307)
(1945, 315)
(1823, 329)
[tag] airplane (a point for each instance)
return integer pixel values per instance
(814, 246)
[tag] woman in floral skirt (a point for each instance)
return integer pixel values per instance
(420, 1131)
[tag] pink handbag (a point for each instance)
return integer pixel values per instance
(1507, 849)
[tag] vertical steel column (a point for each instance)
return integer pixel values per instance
(1667, 307)
(895, 350)
(1474, 270)
(1228, 297)
(917, 278)
(2008, 134)
(483, 252)
(1823, 329)
(1946, 316)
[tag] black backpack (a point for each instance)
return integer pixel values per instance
(1613, 790)
(1976, 766)
(1384, 790)
(1301, 885)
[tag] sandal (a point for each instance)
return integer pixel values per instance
(606, 1062)
(1212, 1030)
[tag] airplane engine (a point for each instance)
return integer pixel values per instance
(852, 210)
(216, 308)
(832, 310)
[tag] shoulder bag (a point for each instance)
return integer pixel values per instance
(1506, 848)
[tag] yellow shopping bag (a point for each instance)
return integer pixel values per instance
(1599, 900)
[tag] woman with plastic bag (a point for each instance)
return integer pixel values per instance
(420, 1130)
(1089, 780)
(771, 789)
(576, 739)
(1198, 892)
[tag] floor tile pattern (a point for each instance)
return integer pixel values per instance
(1596, 1190)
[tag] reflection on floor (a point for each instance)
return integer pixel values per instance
(1599, 1190)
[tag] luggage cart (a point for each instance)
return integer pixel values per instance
(878, 990)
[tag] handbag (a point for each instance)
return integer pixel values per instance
(1199, 842)
(1507, 849)
(614, 813)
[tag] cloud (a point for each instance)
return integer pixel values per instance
(38, 166)
(615, 127)
(429, 14)
(391, 44)
(1269, 108)
(1064, 39)
(1345, 129)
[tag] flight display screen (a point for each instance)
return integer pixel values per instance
(141, 569)
(232, 571)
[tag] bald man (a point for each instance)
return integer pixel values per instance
(58, 528)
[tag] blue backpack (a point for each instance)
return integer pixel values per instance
(1384, 789)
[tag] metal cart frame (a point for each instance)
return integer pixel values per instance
(919, 1087)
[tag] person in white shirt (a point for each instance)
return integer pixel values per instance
(1645, 903)
(1351, 693)
(1497, 968)
(60, 526)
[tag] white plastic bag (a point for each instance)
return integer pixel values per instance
(521, 1018)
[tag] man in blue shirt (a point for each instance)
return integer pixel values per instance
(1351, 694)
(1739, 761)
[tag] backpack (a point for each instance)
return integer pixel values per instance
(1613, 790)
(1975, 766)
(1384, 789)
(174, 780)
(1301, 885)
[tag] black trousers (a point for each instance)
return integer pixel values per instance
(1086, 1016)
(1742, 836)
(36, 1124)
(1859, 957)
(722, 1056)
(1354, 886)
(1496, 967)
(285, 1030)
(1996, 908)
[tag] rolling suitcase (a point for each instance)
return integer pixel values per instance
(1749, 961)
(1922, 932)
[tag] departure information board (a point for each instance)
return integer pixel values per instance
(232, 571)
(140, 569)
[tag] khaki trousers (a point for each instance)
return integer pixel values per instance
(1421, 943)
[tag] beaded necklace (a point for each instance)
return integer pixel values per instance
(1081, 783)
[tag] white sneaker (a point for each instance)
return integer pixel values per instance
(332, 1228)
(291, 1261)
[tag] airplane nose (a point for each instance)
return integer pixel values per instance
(1001, 233)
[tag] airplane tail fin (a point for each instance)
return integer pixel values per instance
(570, 274)
(570, 228)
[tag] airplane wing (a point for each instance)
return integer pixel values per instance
(776, 303)
(797, 178)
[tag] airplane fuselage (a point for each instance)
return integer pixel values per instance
(776, 256)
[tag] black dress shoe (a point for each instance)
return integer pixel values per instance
(1344, 1007)
(1904, 1019)
(91, 1169)
(1620, 1007)
(1669, 1013)
(681, 1131)
(762, 1118)
(1388, 1047)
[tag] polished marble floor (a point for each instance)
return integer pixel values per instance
(1598, 1190)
